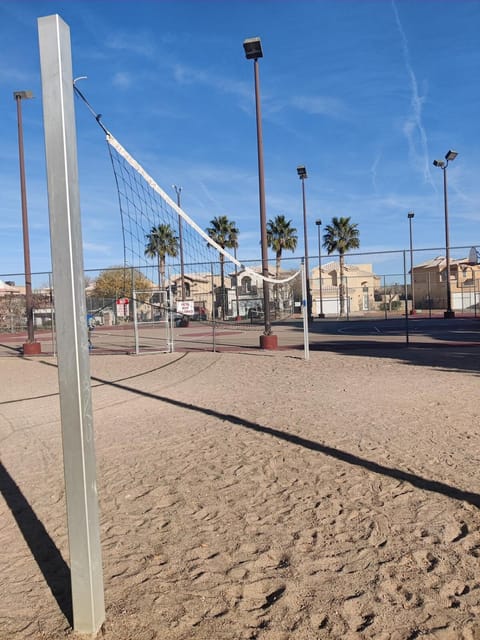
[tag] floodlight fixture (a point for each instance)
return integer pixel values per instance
(410, 214)
(318, 223)
(253, 48)
(22, 95)
(302, 172)
(451, 155)
(439, 163)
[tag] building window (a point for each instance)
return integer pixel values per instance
(246, 285)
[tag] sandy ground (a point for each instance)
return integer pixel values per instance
(253, 495)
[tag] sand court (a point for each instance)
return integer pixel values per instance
(253, 495)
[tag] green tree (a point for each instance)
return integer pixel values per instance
(118, 282)
(224, 232)
(341, 236)
(161, 242)
(281, 236)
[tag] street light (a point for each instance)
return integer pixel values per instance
(319, 224)
(178, 191)
(302, 174)
(450, 155)
(411, 215)
(253, 51)
(30, 347)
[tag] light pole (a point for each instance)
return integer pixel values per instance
(450, 156)
(319, 224)
(253, 51)
(30, 347)
(302, 174)
(411, 215)
(178, 191)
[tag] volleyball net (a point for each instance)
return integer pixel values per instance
(178, 267)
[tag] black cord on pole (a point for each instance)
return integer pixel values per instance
(97, 116)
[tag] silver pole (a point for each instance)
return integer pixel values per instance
(135, 322)
(347, 300)
(385, 296)
(407, 334)
(429, 296)
(213, 308)
(474, 295)
(72, 339)
(170, 320)
(306, 344)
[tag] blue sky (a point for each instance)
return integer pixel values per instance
(365, 94)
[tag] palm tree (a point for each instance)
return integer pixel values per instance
(341, 236)
(161, 242)
(224, 232)
(280, 235)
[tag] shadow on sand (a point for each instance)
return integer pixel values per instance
(49, 559)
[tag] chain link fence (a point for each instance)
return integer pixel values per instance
(198, 309)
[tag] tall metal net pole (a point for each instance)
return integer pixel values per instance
(71, 321)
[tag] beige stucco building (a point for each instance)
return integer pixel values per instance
(430, 283)
(359, 288)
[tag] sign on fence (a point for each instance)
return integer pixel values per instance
(122, 307)
(185, 307)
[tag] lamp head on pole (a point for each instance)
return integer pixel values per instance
(22, 95)
(411, 215)
(253, 48)
(451, 155)
(439, 163)
(302, 172)
(318, 222)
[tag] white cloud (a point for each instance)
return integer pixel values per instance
(97, 248)
(320, 105)
(122, 79)
(138, 43)
(413, 127)
(188, 75)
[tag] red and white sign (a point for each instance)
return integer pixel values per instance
(122, 307)
(185, 307)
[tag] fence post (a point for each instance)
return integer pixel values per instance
(213, 307)
(407, 335)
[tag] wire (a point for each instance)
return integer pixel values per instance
(97, 116)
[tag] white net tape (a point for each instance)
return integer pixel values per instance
(144, 215)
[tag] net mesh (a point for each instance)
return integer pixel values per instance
(170, 262)
(177, 256)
